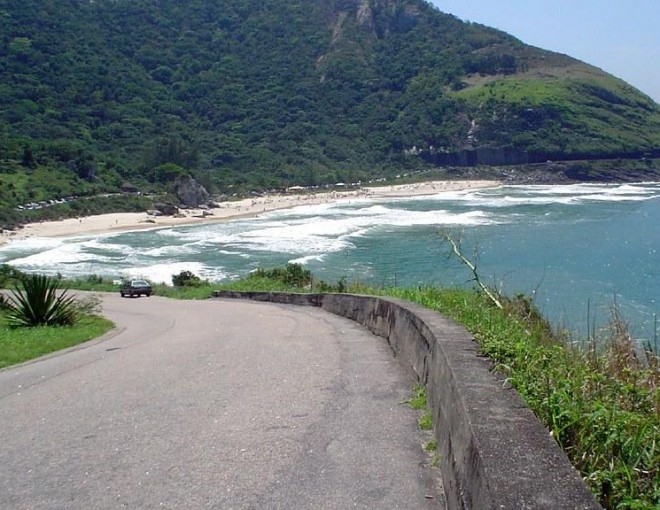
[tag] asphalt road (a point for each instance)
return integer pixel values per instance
(214, 404)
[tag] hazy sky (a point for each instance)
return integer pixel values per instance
(622, 37)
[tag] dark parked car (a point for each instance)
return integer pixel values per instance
(135, 288)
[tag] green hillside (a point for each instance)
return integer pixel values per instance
(265, 93)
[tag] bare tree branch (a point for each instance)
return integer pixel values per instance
(457, 251)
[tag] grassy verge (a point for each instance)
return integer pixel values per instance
(601, 404)
(22, 344)
(291, 278)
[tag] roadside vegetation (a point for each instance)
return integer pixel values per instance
(601, 404)
(186, 285)
(37, 319)
(425, 422)
(598, 397)
(17, 346)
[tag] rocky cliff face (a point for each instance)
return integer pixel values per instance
(378, 18)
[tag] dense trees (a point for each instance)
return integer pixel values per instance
(271, 92)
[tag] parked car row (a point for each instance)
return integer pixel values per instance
(44, 203)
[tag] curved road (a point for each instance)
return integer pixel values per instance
(214, 404)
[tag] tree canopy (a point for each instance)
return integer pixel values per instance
(263, 93)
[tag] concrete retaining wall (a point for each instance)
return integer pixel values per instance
(494, 453)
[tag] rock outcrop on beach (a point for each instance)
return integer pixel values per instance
(190, 192)
(166, 209)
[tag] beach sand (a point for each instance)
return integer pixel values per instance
(249, 207)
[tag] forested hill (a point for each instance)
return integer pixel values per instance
(265, 93)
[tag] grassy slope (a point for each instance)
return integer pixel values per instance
(575, 106)
(23, 344)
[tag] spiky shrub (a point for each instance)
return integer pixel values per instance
(38, 304)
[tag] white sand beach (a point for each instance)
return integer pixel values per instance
(249, 207)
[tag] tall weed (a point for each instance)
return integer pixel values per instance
(602, 405)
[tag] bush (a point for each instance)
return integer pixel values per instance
(186, 279)
(292, 274)
(340, 287)
(9, 275)
(94, 279)
(38, 304)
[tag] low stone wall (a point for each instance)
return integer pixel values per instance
(494, 453)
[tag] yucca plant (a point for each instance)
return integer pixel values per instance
(37, 304)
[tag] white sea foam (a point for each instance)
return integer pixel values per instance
(118, 250)
(442, 217)
(305, 233)
(539, 195)
(31, 244)
(56, 257)
(510, 200)
(289, 240)
(314, 236)
(306, 259)
(229, 252)
(371, 210)
(171, 250)
(162, 273)
(358, 233)
(636, 189)
(616, 198)
(586, 189)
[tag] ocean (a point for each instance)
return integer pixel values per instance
(576, 249)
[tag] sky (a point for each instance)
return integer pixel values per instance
(622, 37)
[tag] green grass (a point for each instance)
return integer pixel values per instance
(291, 278)
(517, 91)
(204, 291)
(426, 421)
(602, 114)
(90, 285)
(418, 402)
(601, 404)
(431, 446)
(22, 344)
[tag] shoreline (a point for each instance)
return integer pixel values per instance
(228, 211)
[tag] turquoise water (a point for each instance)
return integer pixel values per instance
(577, 249)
